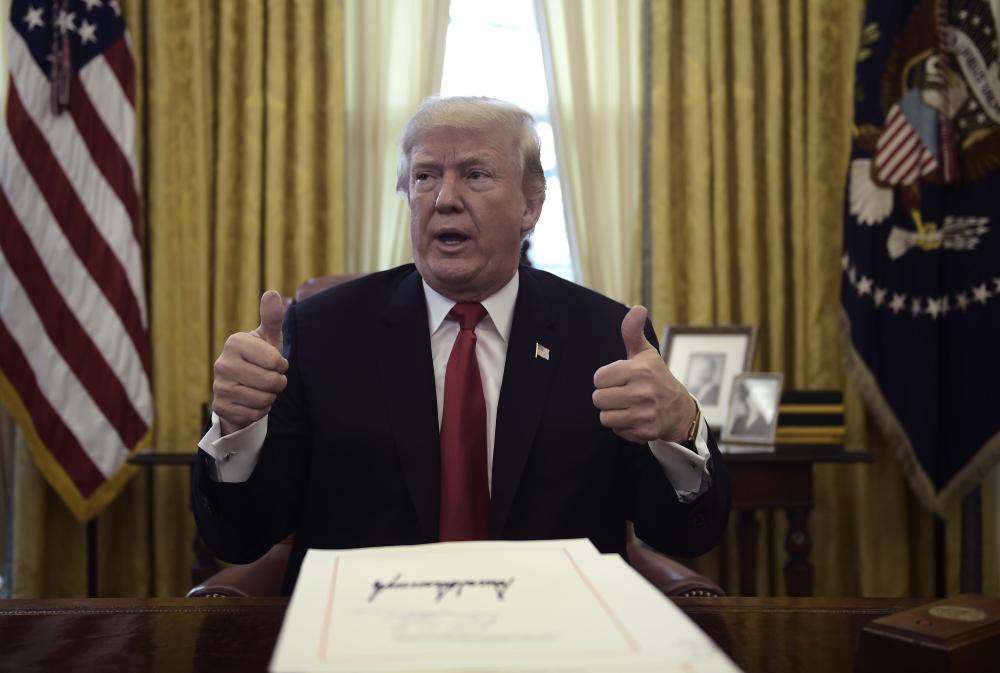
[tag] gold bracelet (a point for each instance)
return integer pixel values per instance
(695, 423)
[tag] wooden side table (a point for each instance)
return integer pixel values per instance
(779, 478)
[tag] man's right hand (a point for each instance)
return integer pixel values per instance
(251, 370)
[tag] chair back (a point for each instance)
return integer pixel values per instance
(311, 286)
(664, 573)
(264, 576)
(261, 578)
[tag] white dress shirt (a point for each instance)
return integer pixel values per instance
(236, 454)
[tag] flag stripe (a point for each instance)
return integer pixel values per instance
(899, 137)
(67, 150)
(77, 349)
(909, 145)
(76, 287)
(120, 61)
(105, 151)
(890, 134)
(57, 382)
(907, 140)
(111, 104)
(906, 165)
(50, 427)
(67, 210)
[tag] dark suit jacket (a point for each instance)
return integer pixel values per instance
(351, 457)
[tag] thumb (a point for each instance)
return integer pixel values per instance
(632, 332)
(272, 314)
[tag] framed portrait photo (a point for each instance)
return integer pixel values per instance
(753, 409)
(706, 359)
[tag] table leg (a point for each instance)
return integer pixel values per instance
(798, 544)
(747, 530)
(772, 565)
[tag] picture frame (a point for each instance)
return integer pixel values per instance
(706, 359)
(753, 408)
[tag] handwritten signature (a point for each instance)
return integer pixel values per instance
(442, 587)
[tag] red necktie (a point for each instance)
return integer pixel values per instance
(465, 493)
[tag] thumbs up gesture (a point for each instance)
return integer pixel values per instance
(639, 398)
(251, 370)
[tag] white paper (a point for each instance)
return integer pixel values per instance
(484, 606)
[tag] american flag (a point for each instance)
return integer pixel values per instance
(901, 155)
(74, 349)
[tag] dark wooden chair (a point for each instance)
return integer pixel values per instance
(313, 285)
(264, 576)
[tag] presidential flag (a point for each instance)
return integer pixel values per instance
(921, 260)
(74, 352)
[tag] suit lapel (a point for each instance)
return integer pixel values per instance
(407, 373)
(527, 379)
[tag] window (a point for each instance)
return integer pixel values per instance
(493, 49)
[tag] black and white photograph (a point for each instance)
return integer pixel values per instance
(704, 376)
(706, 359)
(753, 409)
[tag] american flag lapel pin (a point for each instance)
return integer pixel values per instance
(541, 351)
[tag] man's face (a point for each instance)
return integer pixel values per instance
(701, 371)
(467, 211)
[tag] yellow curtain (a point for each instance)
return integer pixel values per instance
(240, 111)
(395, 57)
(591, 50)
(751, 113)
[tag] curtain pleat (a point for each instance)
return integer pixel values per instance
(591, 50)
(395, 58)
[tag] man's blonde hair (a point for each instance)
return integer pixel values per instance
(479, 114)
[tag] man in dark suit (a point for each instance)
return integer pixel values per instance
(460, 397)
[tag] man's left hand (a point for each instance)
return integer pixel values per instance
(639, 398)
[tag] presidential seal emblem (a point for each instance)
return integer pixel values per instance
(957, 613)
(941, 101)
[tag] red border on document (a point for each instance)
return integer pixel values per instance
(329, 611)
(600, 599)
(629, 639)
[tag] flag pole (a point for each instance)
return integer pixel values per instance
(971, 575)
(92, 558)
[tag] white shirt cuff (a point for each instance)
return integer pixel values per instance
(687, 470)
(235, 454)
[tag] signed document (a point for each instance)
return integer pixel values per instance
(555, 605)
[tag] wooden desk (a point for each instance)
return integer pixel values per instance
(772, 635)
(779, 479)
